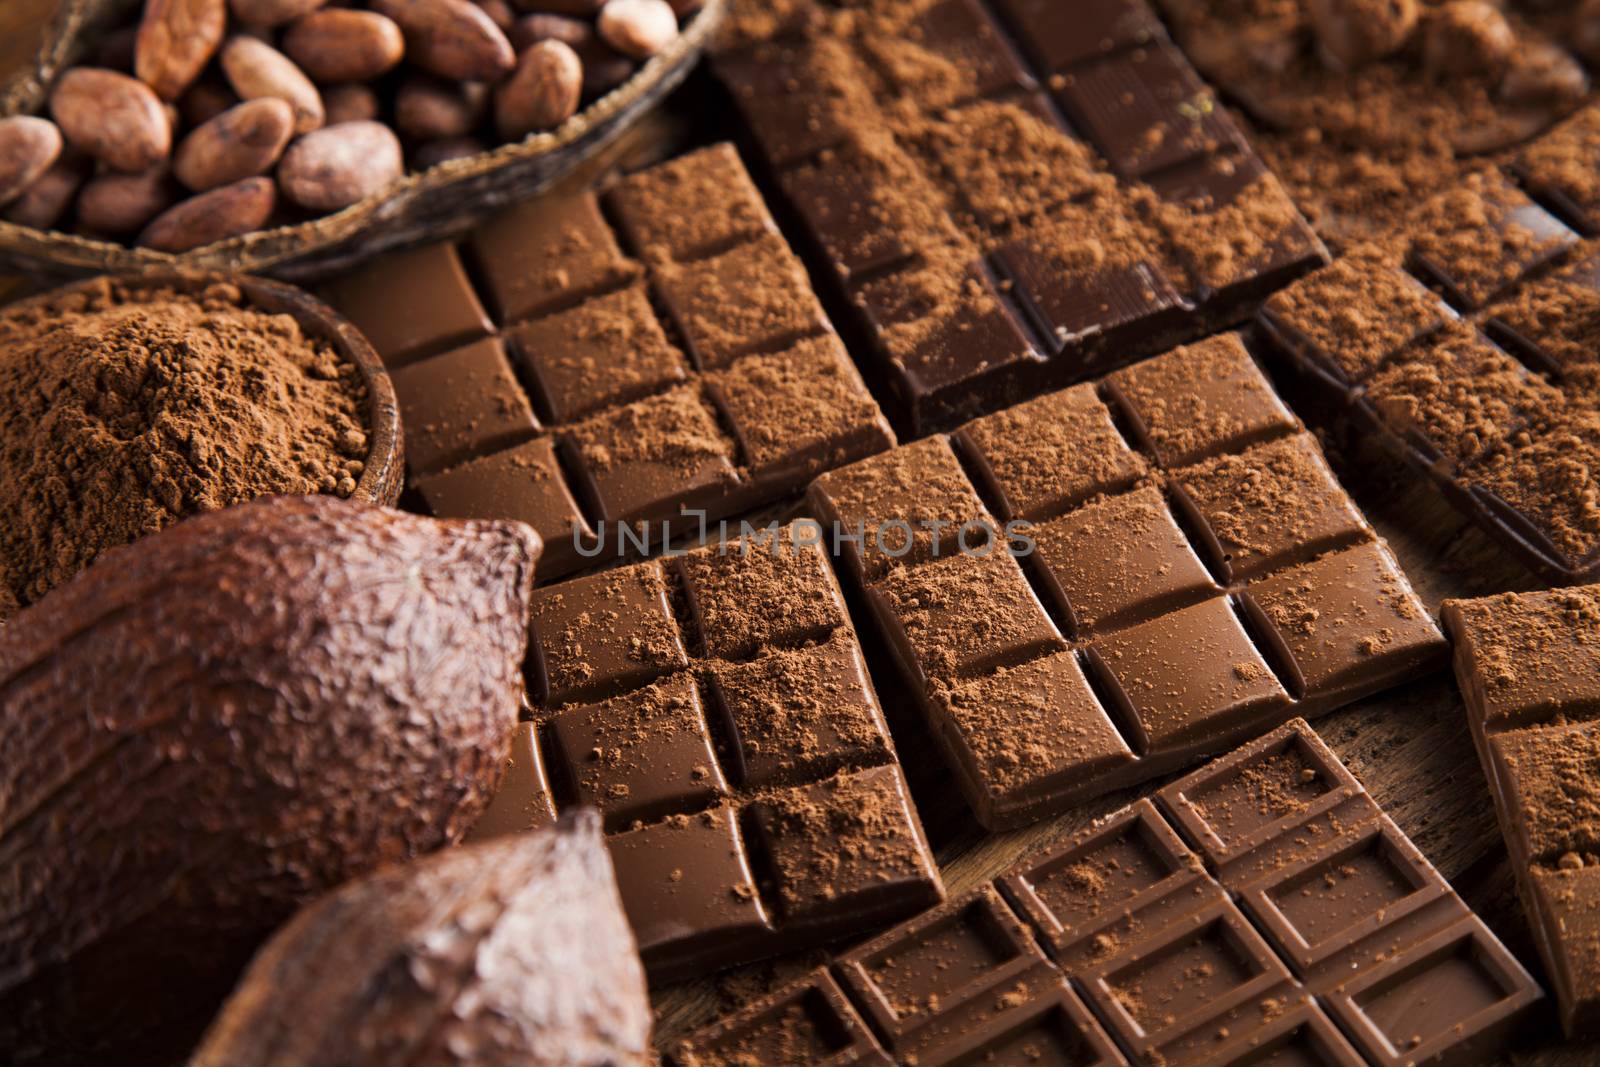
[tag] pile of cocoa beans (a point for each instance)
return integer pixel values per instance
(214, 118)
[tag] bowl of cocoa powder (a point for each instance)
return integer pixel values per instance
(134, 402)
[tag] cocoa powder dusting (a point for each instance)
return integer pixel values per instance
(127, 411)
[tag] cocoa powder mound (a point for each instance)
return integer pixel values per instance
(129, 410)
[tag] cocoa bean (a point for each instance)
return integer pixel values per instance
(28, 148)
(541, 93)
(351, 103)
(120, 204)
(256, 69)
(451, 38)
(46, 202)
(239, 143)
(112, 117)
(212, 216)
(177, 38)
(344, 45)
(638, 28)
(426, 109)
(336, 166)
(267, 13)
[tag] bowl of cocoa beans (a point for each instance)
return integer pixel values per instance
(296, 138)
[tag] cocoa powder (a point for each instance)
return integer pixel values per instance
(127, 411)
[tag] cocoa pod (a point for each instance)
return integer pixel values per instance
(336, 166)
(541, 93)
(239, 143)
(212, 216)
(517, 949)
(28, 148)
(638, 29)
(266, 13)
(256, 69)
(45, 204)
(451, 38)
(350, 103)
(426, 109)
(119, 204)
(211, 727)
(112, 117)
(177, 38)
(344, 45)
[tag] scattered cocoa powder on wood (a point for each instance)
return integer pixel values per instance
(129, 409)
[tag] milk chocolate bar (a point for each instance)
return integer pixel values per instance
(1011, 195)
(1192, 574)
(1468, 347)
(1529, 669)
(1261, 910)
(586, 361)
(716, 710)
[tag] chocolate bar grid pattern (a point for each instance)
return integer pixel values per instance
(1461, 302)
(732, 838)
(1529, 672)
(1279, 913)
(630, 366)
(1176, 602)
(1115, 84)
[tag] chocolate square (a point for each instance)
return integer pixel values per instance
(1039, 458)
(523, 801)
(755, 297)
(1553, 324)
(1275, 505)
(643, 460)
(964, 615)
(1199, 401)
(524, 483)
(849, 844)
(639, 756)
(748, 596)
(606, 351)
(692, 206)
(1561, 168)
(795, 96)
(800, 714)
(461, 404)
(800, 411)
(1118, 560)
(547, 253)
(1186, 675)
(908, 504)
(1476, 241)
(1057, 36)
(972, 57)
(1146, 109)
(412, 304)
(599, 636)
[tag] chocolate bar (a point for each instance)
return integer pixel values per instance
(587, 361)
(1261, 910)
(716, 710)
(1467, 347)
(1109, 582)
(1010, 196)
(1529, 669)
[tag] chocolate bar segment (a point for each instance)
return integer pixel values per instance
(1177, 570)
(654, 348)
(1529, 673)
(1464, 342)
(716, 709)
(999, 227)
(1261, 910)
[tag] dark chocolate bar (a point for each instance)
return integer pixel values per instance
(1011, 195)
(1192, 574)
(584, 362)
(1262, 910)
(1469, 348)
(715, 709)
(1529, 669)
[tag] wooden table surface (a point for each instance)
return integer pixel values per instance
(1409, 746)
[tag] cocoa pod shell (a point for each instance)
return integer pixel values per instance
(177, 38)
(112, 117)
(242, 142)
(516, 949)
(211, 727)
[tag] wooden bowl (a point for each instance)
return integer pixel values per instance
(429, 205)
(384, 475)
